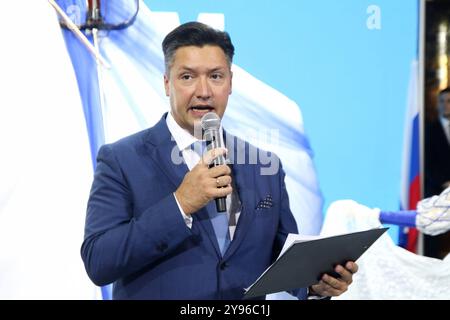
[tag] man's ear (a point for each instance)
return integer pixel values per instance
(166, 85)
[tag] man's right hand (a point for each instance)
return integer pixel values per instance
(202, 184)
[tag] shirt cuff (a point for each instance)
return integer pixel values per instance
(312, 296)
(187, 219)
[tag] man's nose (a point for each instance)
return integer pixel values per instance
(203, 89)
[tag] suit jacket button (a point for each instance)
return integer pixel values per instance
(223, 265)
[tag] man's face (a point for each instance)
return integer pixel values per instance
(445, 105)
(199, 81)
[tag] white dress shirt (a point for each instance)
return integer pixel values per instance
(184, 140)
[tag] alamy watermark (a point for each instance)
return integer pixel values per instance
(241, 152)
(373, 21)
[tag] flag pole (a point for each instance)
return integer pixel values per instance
(72, 26)
(100, 79)
(94, 21)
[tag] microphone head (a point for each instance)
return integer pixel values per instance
(210, 121)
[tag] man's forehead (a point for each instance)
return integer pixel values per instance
(193, 57)
(212, 51)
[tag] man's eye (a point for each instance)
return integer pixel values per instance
(216, 76)
(186, 77)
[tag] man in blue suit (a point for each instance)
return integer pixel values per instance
(151, 226)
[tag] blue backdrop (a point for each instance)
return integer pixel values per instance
(349, 79)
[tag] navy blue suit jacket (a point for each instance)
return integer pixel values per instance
(135, 235)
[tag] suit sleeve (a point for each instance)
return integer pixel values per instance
(117, 244)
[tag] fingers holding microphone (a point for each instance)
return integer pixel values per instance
(220, 174)
(203, 184)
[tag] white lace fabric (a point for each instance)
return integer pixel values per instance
(433, 214)
(386, 271)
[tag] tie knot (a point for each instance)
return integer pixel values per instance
(199, 147)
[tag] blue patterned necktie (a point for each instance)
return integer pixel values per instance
(219, 220)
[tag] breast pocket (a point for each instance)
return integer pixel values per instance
(265, 218)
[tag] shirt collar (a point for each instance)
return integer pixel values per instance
(181, 136)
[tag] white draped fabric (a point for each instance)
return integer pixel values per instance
(45, 166)
(387, 271)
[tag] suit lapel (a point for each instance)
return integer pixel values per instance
(165, 154)
(244, 176)
(174, 171)
(162, 148)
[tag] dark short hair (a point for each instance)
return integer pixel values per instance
(195, 34)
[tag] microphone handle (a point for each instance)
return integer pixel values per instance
(213, 141)
(221, 204)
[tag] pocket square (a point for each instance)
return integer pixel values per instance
(265, 203)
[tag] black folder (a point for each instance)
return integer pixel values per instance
(304, 262)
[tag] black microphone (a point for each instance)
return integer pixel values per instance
(211, 123)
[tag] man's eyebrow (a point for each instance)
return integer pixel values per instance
(217, 69)
(186, 68)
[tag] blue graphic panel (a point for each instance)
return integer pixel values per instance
(347, 65)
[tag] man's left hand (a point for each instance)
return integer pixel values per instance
(329, 286)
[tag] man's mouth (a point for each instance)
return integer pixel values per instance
(200, 110)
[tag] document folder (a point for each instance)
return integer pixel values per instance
(304, 262)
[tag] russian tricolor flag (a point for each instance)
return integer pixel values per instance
(411, 184)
